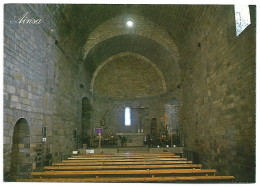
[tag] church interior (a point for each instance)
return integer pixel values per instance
(129, 93)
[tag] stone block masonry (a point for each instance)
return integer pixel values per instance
(219, 93)
(38, 78)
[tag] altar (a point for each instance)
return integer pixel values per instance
(133, 139)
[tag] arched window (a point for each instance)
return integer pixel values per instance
(127, 116)
(242, 15)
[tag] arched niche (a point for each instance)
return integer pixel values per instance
(20, 156)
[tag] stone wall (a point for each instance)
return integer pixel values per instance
(218, 84)
(27, 64)
(43, 82)
(111, 110)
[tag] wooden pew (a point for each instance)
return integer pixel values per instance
(121, 160)
(137, 179)
(78, 174)
(126, 156)
(128, 168)
(118, 163)
(82, 168)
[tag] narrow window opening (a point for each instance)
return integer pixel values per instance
(75, 133)
(127, 116)
(44, 132)
(242, 16)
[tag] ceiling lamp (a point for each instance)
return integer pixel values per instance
(129, 23)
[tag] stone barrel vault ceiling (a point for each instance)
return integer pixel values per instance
(141, 26)
(144, 38)
(157, 34)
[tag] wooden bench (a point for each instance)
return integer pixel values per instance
(71, 174)
(127, 168)
(121, 160)
(127, 156)
(80, 168)
(119, 163)
(137, 179)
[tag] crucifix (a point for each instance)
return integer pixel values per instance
(165, 118)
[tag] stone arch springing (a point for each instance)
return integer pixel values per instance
(86, 116)
(20, 155)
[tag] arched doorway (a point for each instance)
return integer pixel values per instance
(20, 156)
(86, 114)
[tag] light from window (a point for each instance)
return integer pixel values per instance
(242, 16)
(127, 116)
